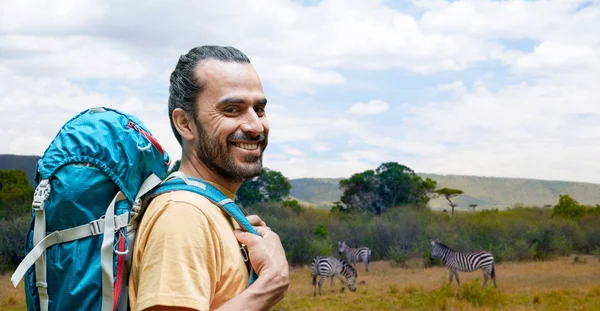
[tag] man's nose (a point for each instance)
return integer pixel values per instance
(252, 123)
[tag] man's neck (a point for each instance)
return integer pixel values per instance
(190, 166)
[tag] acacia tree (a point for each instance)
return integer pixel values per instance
(473, 206)
(449, 193)
(389, 185)
(269, 186)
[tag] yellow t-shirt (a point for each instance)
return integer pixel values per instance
(186, 255)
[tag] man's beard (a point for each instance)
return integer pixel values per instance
(217, 157)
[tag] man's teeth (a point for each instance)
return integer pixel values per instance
(248, 146)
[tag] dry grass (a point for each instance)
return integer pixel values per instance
(559, 284)
(553, 285)
(11, 298)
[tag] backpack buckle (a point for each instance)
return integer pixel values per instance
(244, 250)
(95, 227)
(42, 191)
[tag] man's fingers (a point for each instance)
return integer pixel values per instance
(245, 237)
(262, 230)
(255, 220)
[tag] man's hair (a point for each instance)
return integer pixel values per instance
(186, 84)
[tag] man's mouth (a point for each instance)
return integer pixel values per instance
(247, 146)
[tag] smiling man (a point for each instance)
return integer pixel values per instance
(187, 250)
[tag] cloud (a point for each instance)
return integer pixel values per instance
(319, 146)
(372, 107)
(505, 96)
(308, 167)
(34, 110)
(69, 57)
(548, 58)
(293, 151)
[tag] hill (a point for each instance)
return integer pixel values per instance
(486, 192)
(19, 162)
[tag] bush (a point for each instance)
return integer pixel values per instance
(397, 256)
(402, 233)
(12, 241)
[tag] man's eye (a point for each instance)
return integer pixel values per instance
(259, 110)
(231, 110)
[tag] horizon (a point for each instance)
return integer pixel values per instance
(505, 89)
(417, 173)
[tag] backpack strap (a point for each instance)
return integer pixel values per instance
(42, 192)
(178, 181)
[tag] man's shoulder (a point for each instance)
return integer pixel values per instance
(189, 201)
(181, 197)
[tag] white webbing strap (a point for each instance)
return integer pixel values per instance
(181, 175)
(148, 184)
(106, 252)
(39, 233)
(93, 228)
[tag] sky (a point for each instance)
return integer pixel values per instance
(488, 88)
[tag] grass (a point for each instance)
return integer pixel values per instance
(561, 284)
(552, 285)
(11, 299)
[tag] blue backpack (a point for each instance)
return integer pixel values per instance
(92, 183)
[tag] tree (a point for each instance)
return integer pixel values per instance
(449, 193)
(568, 207)
(391, 184)
(473, 206)
(16, 194)
(269, 186)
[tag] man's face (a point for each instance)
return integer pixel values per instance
(232, 124)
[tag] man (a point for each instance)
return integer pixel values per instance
(187, 254)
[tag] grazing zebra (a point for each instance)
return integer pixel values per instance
(355, 255)
(332, 267)
(464, 262)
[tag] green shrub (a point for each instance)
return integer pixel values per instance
(12, 241)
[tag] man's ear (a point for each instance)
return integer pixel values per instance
(184, 124)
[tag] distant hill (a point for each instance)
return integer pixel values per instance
(19, 162)
(318, 191)
(486, 192)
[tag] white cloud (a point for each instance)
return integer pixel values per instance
(295, 152)
(372, 107)
(305, 167)
(319, 146)
(34, 110)
(539, 120)
(69, 57)
(551, 58)
(457, 87)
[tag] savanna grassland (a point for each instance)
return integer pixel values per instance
(564, 283)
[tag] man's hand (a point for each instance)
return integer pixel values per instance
(255, 221)
(267, 258)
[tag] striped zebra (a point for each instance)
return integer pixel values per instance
(464, 262)
(355, 255)
(332, 267)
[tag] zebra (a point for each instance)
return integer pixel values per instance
(355, 255)
(328, 266)
(464, 262)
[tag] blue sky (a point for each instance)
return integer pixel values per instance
(492, 88)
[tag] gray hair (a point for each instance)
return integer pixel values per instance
(186, 84)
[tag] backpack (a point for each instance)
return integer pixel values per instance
(91, 186)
